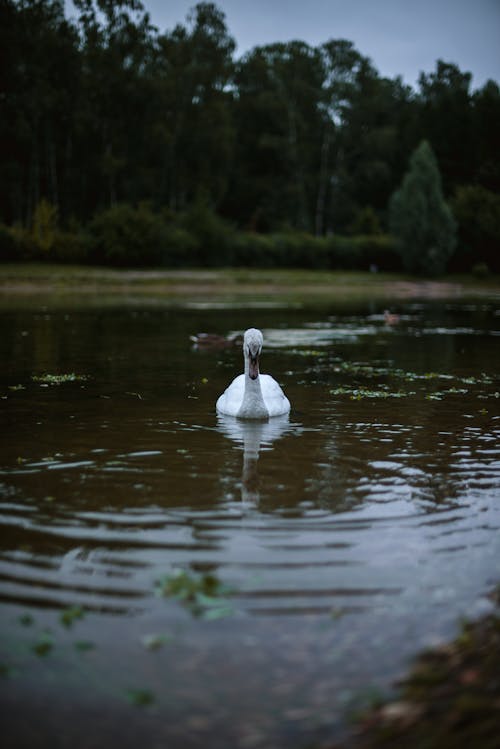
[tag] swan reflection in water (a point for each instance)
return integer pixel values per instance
(254, 436)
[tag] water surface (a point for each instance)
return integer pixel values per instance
(339, 541)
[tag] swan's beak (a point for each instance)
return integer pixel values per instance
(253, 367)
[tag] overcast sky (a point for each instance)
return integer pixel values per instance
(402, 37)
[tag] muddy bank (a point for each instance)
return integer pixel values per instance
(450, 700)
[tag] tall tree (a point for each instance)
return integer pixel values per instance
(341, 65)
(106, 110)
(277, 118)
(446, 121)
(420, 218)
(112, 104)
(486, 113)
(193, 69)
(40, 72)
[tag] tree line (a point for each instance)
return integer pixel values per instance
(110, 126)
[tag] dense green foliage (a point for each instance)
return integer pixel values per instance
(125, 236)
(478, 213)
(420, 218)
(123, 144)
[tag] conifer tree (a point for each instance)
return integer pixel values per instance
(420, 218)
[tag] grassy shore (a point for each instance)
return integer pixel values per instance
(450, 700)
(60, 281)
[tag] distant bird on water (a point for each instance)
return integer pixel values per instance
(390, 318)
(253, 395)
(215, 341)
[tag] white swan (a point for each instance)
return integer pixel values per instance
(253, 395)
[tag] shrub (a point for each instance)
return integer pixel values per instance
(212, 235)
(379, 250)
(301, 250)
(477, 211)
(68, 247)
(44, 227)
(363, 252)
(252, 250)
(9, 249)
(420, 218)
(26, 247)
(126, 236)
(480, 270)
(343, 253)
(136, 237)
(44, 241)
(366, 222)
(180, 248)
(285, 249)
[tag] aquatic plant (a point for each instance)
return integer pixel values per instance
(44, 644)
(58, 379)
(70, 615)
(140, 697)
(5, 670)
(26, 620)
(369, 371)
(155, 641)
(360, 393)
(204, 595)
(84, 645)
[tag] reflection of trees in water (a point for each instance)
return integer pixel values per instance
(421, 438)
(416, 451)
(329, 483)
(405, 451)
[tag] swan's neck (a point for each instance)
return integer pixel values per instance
(253, 406)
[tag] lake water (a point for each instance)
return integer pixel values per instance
(173, 579)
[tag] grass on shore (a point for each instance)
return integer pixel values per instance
(58, 280)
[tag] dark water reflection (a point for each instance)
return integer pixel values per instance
(350, 534)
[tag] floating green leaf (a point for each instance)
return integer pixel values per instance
(70, 615)
(44, 644)
(84, 645)
(140, 697)
(155, 641)
(336, 613)
(203, 594)
(216, 611)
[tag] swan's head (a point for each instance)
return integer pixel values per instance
(252, 346)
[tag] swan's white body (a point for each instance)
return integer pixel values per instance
(253, 395)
